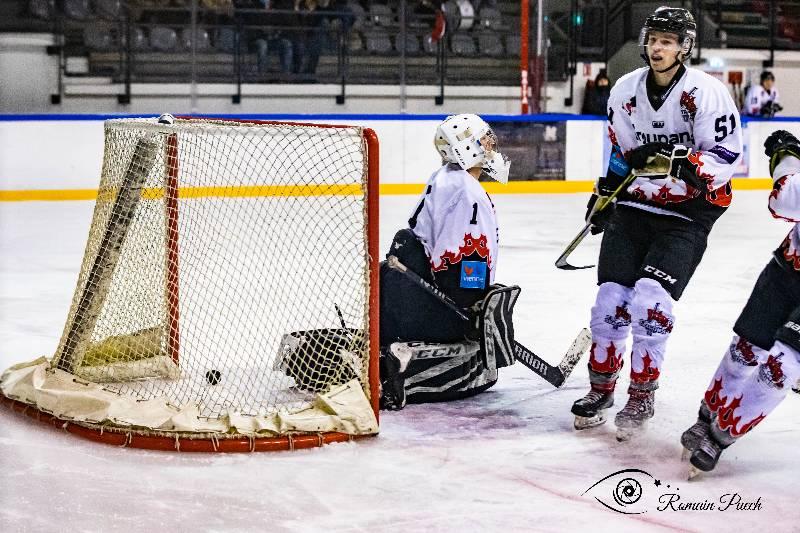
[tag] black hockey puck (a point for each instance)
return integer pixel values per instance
(213, 376)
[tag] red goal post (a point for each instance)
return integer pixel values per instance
(228, 298)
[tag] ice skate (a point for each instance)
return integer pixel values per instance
(631, 420)
(705, 457)
(590, 411)
(691, 438)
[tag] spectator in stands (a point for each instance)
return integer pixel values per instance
(762, 100)
(312, 31)
(264, 28)
(595, 100)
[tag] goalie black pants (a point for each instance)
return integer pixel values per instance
(408, 312)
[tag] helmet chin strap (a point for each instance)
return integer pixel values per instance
(676, 63)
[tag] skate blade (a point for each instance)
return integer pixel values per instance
(586, 422)
(626, 434)
(693, 472)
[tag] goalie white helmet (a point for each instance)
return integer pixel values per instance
(468, 141)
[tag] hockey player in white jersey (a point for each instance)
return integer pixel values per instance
(656, 234)
(451, 242)
(762, 99)
(763, 360)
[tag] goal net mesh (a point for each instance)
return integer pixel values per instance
(225, 284)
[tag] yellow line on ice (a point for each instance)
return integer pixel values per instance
(518, 187)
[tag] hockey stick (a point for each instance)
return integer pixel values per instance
(601, 204)
(555, 375)
(122, 211)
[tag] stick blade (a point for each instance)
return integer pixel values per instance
(580, 346)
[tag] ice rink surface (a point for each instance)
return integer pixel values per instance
(506, 460)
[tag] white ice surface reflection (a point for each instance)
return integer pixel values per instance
(507, 460)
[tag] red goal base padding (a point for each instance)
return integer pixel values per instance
(180, 442)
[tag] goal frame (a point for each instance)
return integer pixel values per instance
(186, 442)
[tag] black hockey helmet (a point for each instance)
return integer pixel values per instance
(767, 75)
(671, 20)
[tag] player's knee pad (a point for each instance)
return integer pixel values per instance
(611, 318)
(651, 323)
(742, 356)
(610, 324)
(781, 370)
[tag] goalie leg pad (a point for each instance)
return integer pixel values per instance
(433, 372)
(497, 327)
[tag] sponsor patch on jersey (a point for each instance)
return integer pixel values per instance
(724, 154)
(658, 123)
(473, 275)
(617, 163)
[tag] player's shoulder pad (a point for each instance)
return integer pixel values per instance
(704, 81)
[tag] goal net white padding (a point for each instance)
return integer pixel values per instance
(225, 287)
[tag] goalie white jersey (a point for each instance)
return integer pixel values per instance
(456, 222)
(696, 111)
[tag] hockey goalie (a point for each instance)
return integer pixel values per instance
(429, 352)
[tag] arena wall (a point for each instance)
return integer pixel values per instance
(59, 156)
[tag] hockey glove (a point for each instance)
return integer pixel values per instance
(659, 159)
(599, 219)
(778, 144)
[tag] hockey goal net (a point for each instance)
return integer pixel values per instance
(227, 299)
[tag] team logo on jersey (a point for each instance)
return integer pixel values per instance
(742, 352)
(658, 123)
(621, 318)
(656, 321)
(688, 106)
(771, 373)
(630, 105)
(473, 275)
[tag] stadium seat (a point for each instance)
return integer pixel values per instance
(359, 15)
(203, 41)
(489, 44)
(77, 9)
(490, 18)
(411, 45)
(462, 44)
(138, 39)
(163, 39)
(378, 42)
(98, 39)
(225, 40)
(108, 9)
(355, 42)
(42, 9)
(381, 15)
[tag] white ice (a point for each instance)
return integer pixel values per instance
(507, 460)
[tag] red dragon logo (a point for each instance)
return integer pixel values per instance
(772, 371)
(471, 246)
(742, 352)
(688, 106)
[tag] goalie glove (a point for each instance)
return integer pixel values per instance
(778, 144)
(665, 159)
